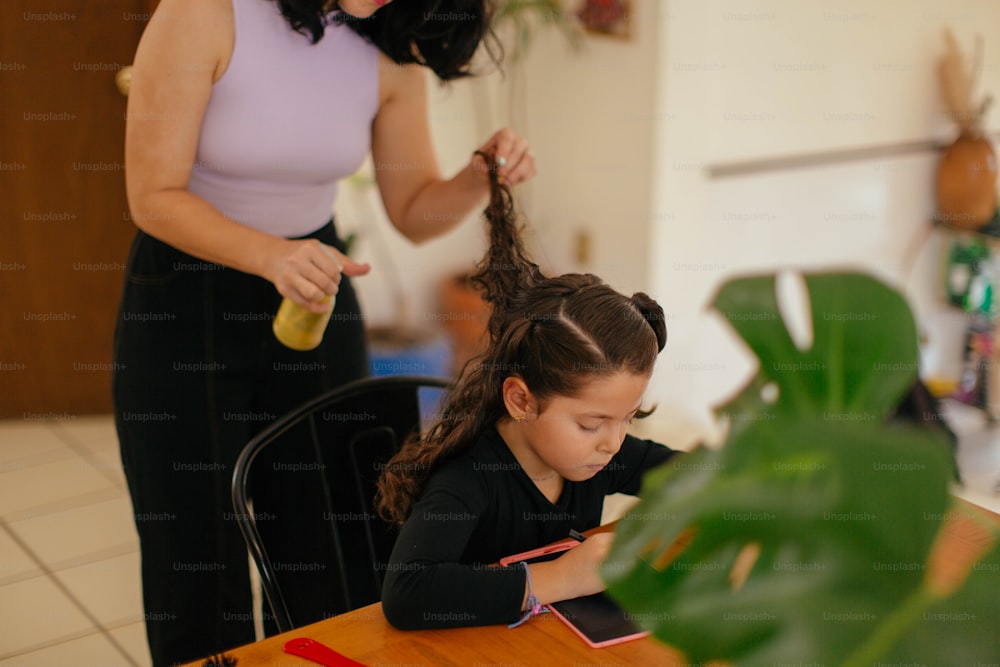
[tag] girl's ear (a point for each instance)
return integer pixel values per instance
(518, 399)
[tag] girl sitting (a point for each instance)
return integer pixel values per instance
(530, 441)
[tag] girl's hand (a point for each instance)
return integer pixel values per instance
(515, 162)
(307, 271)
(581, 565)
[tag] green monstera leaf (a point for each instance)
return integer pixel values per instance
(806, 536)
(862, 360)
(958, 629)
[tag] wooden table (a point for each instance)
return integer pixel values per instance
(364, 634)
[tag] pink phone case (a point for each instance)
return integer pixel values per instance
(528, 556)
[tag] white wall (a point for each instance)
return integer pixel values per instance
(588, 116)
(629, 134)
(403, 272)
(765, 79)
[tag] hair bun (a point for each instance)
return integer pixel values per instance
(653, 314)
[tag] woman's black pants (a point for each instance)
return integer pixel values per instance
(197, 372)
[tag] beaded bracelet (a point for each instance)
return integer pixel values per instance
(533, 607)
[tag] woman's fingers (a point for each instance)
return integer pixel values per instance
(311, 271)
(514, 159)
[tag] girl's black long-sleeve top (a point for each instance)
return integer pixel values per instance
(479, 508)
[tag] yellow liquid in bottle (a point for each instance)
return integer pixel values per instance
(298, 328)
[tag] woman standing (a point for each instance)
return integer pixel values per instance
(243, 115)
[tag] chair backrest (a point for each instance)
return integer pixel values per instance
(303, 492)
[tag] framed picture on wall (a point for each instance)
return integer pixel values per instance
(611, 18)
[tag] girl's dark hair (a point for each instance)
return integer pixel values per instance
(554, 333)
(440, 34)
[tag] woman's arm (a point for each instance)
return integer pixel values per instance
(420, 203)
(183, 51)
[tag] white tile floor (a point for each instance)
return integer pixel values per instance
(69, 555)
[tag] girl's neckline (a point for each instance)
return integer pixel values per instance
(534, 481)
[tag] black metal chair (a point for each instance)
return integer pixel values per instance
(312, 473)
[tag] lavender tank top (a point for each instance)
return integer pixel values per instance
(286, 120)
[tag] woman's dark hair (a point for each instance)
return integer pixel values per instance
(440, 34)
(554, 333)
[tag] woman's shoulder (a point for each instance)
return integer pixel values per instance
(205, 29)
(400, 81)
(214, 14)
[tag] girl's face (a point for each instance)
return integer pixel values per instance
(576, 436)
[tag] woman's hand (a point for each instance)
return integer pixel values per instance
(515, 161)
(307, 271)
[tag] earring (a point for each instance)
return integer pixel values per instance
(519, 419)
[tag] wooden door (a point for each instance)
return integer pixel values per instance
(66, 225)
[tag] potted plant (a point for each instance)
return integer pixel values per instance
(519, 18)
(810, 534)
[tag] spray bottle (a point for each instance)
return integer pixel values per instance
(299, 328)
